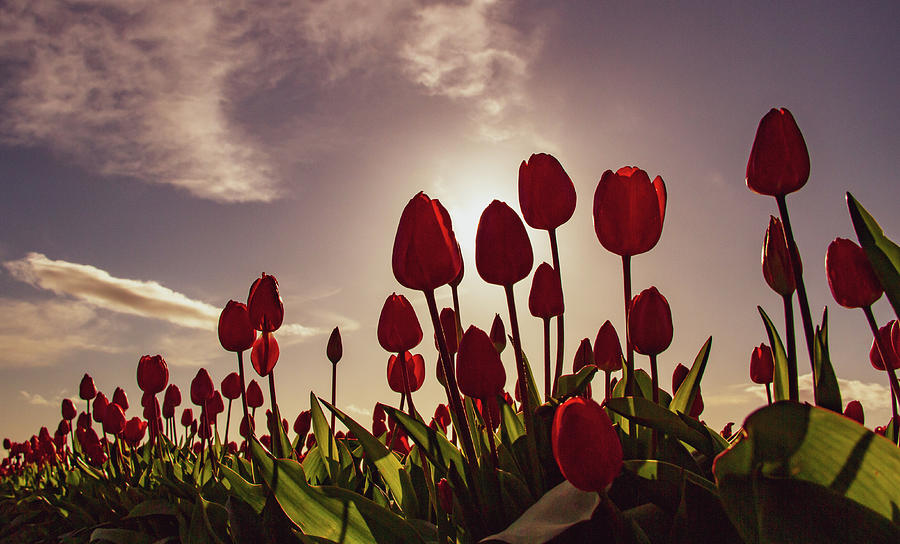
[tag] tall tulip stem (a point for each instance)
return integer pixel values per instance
(608, 385)
(560, 327)
(407, 390)
(629, 360)
(769, 393)
(227, 425)
(489, 427)
(793, 381)
(240, 358)
(276, 428)
(889, 368)
(520, 359)
(333, 391)
(547, 391)
(654, 378)
(455, 292)
(798, 280)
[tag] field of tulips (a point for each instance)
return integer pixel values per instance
(599, 456)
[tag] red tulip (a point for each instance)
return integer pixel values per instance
(168, 410)
(63, 428)
(850, 275)
(503, 252)
(854, 411)
(201, 388)
(546, 297)
(489, 403)
(415, 372)
(762, 365)
(607, 349)
(84, 421)
(585, 445)
(886, 335)
(152, 374)
(113, 419)
(629, 211)
(68, 410)
(426, 254)
(172, 396)
(231, 386)
(151, 409)
(247, 426)
(235, 331)
(546, 194)
(583, 356)
(302, 423)
(442, 416)
(120, 398)
(398, 326)
(776, 261)
(451, 333)
(462, 270)
(264, 305)
(650, 322)
(254, 395)
(86, 389)
(134, 430)
(335, 349)
(264, 354)
(479, 371)
(99, 407)
(498, 334)
(445, 495)
(779, 161)
(678, 376)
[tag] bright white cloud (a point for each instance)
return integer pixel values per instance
(34, 398)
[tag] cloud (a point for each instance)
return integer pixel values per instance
(34, 398)
(352, 408)
(873, 396)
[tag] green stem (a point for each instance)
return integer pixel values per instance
(769, 393)
(654, 378)
(333, 391)
(629, 360)
(793, 380)
(275, 431)
(547, 390)
(889, 368)
(560, 326)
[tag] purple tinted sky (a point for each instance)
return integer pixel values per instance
(156, 157)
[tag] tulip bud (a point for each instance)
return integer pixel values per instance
(503, 254)
(479, 371)
(231, 386)
(585, 445)
(134, 430)
(113, 419)
(68, 409)
(850, 275)
(264, 354)
(378, 414)
(854, 411)
(398, 326)
(151, 409)
(236, 333)
(335, 349)
(451, 333)
(99, 407)
(546, 298)
(264, 305)
(546, 193)
(215, 405)
(172, 396)
(607, 349)
(779, 161)
(254, 395)
(445, 495)
(302, 424)
(168, 411)
(86, 389)
(84, 421)
(678, 376)
(442, 416)
(650, 322)
(584, 355)
(886, 334)
(120, 398)
(63, 428)
(201, 388)
(777, 262)
(726, 430)
(629, 211)
(152, 374)
(762, 365)
(415, 372)
(426, 254)
(247, 426)
(498, 334)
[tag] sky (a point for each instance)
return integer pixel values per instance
(156, 157)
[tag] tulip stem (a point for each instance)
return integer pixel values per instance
(275, 429)
(888, 366)
(240, 357)
(769, 393)
(798, 280)
(227, 425)
(560, 327)
(629, 360)
(489, 426)
(547, 390)
(793, 381)
(455, 292)
(608, 385)
(654, 378)
(333, 391)
(401, 358)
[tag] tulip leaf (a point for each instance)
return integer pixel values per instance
(649, 414)
(433, 444)
(119, 536)
(252, 494)
(325, 441)
(846, 478)
(327, 511)
(781, 376)
(574, 384)
(881, 251)
(388, 466)
(560, 508)
(828, 392)
(690, 387)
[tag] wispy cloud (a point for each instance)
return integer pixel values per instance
(354, 409)
(34, 398)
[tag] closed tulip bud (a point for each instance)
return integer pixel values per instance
(415, 372)
(215, 405)
(503, 254)
(607, 349)
(762, 365)
(236, 333)
(886, 334)
(426, 254)
(302, 424)
(172, 396)
(546, 193)
(68, 410)
(7, 444)
(546, 298)
(113, 419)
(63, 428)
(585, 445)
(254, 395)
(187, 415)
(335, 349)
(152, 374)
(498, 334)
(231, 386)
(151, 409)
(99, 407)
(86, 389)
(310, 441)
(264, 354)
(442, 416)
(584, 355)
(84, 421)
(779, 161)
(850, 275)
(650, 322)
(120, 398)
(479, 371)
(201, 388)
(854, 411)
(451, 333)
(194, 426)
(678, 376)
(445, 495)
(168, 411)
(134, 430)
(629, 211)
(777, 261)
(247, 426)
(398, 326)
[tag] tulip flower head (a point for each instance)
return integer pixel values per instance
(762, 365)
(854, 411)
(172, 396)
(415, 372)
(886, 334)
(187, 416)
(68, 410)
(585, 445)
(503, 254)
(779, 160)
(498, 334)
(546, 193)
(99, 407)
(113, 419)
(777, 261)
(398, 326)
(264, 354)
(302, 423)
(86, 389)
(264, 305)
(445, 495)
(335, 348)
(120, 398)
(231, 386)
(584, 355)
(201, 388)
(479, 371)
(451, 333)
(134, 431)
(851, 278)
(629, 211)
(546, 297)
(152, 374)
(650, 322)
(426, 254)
(607, 349)
(254, 395)
(236, 333)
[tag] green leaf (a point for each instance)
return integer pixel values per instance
(252, 494)
(560, 508)
(152, 507)
(119, 536)
(690, 387)
(388, 466)
(881, 251)
(647, 413)
(828, 393)
(573, 384)
(805, 474)
(781, 383)
(324, 439)
(433, 444)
